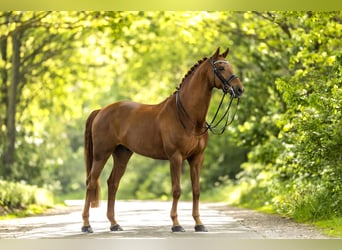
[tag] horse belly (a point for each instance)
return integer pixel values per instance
(142, 136)
(146, 142)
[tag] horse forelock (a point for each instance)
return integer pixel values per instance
(191, 70)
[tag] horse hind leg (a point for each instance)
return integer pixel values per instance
(121, 156)
(92, 192)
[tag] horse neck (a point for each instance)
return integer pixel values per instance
(195, 95)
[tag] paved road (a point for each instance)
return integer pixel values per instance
(143, 220)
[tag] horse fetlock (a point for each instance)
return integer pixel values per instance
(111, 219)
(197, 219)
(174, 219)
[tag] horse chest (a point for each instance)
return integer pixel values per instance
(189, 146)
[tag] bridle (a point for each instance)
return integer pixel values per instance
(226, 88)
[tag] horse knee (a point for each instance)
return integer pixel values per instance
(176, 192)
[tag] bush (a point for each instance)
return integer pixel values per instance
(309, 202)
(14, 196)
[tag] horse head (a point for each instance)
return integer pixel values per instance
(224, 77)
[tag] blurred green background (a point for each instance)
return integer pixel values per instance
(282, 153)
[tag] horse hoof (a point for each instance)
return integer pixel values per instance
(87, 229)
(201, 228)
(116, 228)
(176, 229)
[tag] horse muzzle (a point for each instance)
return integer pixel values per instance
(235, 92)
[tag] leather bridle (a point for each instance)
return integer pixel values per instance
(226, 86)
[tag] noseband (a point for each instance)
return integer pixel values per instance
(226, 86)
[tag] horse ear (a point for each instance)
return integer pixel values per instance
(217, 53)
(225, 53)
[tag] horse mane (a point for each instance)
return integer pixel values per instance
(191, 70)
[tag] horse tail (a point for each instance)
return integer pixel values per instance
(94, 195)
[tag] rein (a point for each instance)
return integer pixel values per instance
(213, 125)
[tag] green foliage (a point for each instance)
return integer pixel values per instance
(14, 196)
(301, 157)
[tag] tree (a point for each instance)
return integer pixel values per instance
(36, 63)
(16, 27)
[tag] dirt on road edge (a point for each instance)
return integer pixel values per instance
(272, 226)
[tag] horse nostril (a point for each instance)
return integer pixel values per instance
(240, 90)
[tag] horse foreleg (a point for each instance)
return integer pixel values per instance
(121, 157)
(175, 170)
(196, 163)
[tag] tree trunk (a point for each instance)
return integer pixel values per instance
(9, 150)
(3, 94)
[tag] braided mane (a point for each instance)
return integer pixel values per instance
(191, 70)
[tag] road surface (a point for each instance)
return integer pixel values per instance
(150, 220)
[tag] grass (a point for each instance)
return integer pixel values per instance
(258, 198)
(332, 227)
(31, 210)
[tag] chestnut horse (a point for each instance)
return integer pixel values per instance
(173, 130)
